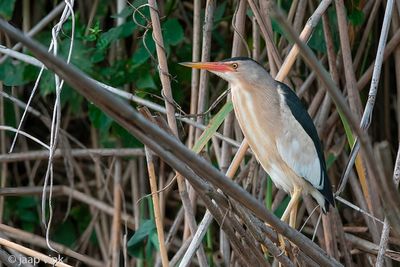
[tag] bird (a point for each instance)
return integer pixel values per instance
(278, 129)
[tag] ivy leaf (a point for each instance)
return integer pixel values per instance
(173, 32)
(142, 54)
(114, 34)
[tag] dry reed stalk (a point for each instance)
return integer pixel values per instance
(238, 24)
(391, 46)
(154, 194)
(261, 14)
(202, 96)
(76, 153)
(292, 10)
(367, 31)
(396, 23)
(196, 45)
(260, 237)
(383, 156)
(116, 219)
(345, 250)
(3, 145)
(156, 206)
(304, 36)
(166, 90)
(163, 66)
(353, 96)
(103, 227)
(330, 237)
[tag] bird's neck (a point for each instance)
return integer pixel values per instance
(258, 106)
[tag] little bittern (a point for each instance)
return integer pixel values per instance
(278, 129)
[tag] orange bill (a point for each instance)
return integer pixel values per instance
(211, 66)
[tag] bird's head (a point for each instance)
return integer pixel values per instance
(233, 70)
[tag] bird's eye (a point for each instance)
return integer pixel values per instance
(235, 66)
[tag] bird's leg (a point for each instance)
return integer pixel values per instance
(295, 196)
(291, 210)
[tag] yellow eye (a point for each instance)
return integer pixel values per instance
(235, 66)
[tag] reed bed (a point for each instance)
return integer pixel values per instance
(111, 154)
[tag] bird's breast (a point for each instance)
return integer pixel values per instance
(258, 119)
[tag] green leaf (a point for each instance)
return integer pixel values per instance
(347, 128)
(72, 98)
(142, 54)
(12, 73)
(356, 17)
(142, 232)
(7, 8)
(99, 119)
(317, 40)
(47, 83)
(146, 81)
(173, 32)
(212, 127)
(115, 33)
(219, 12)
(277, 28)
(154, 239)
(140, 244)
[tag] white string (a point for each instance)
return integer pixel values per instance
(56, 118)
(12, 129)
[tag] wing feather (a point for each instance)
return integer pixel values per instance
(299, 145)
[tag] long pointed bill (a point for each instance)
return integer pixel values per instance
(210, 66)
